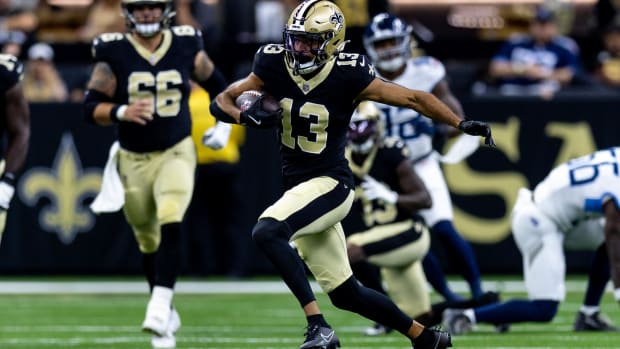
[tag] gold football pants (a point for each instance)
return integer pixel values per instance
(158, 189)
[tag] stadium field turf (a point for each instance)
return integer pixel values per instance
(239, 318)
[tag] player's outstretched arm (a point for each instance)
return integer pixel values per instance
(426, 104)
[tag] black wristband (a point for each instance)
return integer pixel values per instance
(113, 113)
(8, 177)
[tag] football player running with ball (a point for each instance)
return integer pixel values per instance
(140, 83)
(318, 87)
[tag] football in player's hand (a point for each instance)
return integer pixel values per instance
(247, 98)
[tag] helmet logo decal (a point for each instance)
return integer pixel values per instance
(336, 18)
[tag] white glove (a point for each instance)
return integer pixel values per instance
(374, 190)
(217, 136)
(6, 194)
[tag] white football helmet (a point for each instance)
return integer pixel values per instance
(147, 29)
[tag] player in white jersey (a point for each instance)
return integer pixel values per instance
(387, 40)
(575, 207)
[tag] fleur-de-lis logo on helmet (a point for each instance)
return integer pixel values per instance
(336, 18)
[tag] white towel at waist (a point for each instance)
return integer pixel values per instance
(464, 146)
(111, 197)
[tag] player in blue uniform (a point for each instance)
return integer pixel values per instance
(318, 86)
(15, 123)
(577, 206)
(140, 83)
(388, 41)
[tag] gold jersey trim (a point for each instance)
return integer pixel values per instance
(361, 171)
(308, 85)
(152, 57)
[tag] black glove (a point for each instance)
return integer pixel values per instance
(257, 116)
(478, 128)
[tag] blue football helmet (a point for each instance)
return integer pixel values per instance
(387, 40)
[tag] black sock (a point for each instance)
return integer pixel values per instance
(148, 266)
(351, 296)
(167, 255)
(426, 338)
(317, 319)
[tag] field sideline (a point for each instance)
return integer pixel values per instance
(256, 314)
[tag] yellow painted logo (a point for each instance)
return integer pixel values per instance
(66, 185)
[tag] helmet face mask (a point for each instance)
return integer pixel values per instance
(387, 40)
(151, 28)
(314, 34)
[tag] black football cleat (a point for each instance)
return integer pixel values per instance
(595, 322)
(320, 337)
(442, 340)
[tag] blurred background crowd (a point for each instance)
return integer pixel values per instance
(470, 37)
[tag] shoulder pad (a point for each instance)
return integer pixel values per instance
(270, 49)
(105, 40)
(185, 30)
(430, 67)
(11, 68)
(351, 59)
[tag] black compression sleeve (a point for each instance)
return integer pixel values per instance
(91, 99)
(220, 114)
(215, 84)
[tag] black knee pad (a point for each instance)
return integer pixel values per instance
(268, 228)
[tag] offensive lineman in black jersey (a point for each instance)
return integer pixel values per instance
(15, 123)
(318, 86)
(141, 83)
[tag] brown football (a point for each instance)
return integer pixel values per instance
(245, 100)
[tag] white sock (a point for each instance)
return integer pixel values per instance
(162, 294)
(589, 310)
(470, 315)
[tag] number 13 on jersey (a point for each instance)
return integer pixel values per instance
(312, 140)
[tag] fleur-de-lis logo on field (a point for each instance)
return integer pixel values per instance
(66, 185)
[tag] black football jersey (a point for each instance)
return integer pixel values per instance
(11, 72)
(316, 112)
(381, 165)
(161, 76)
